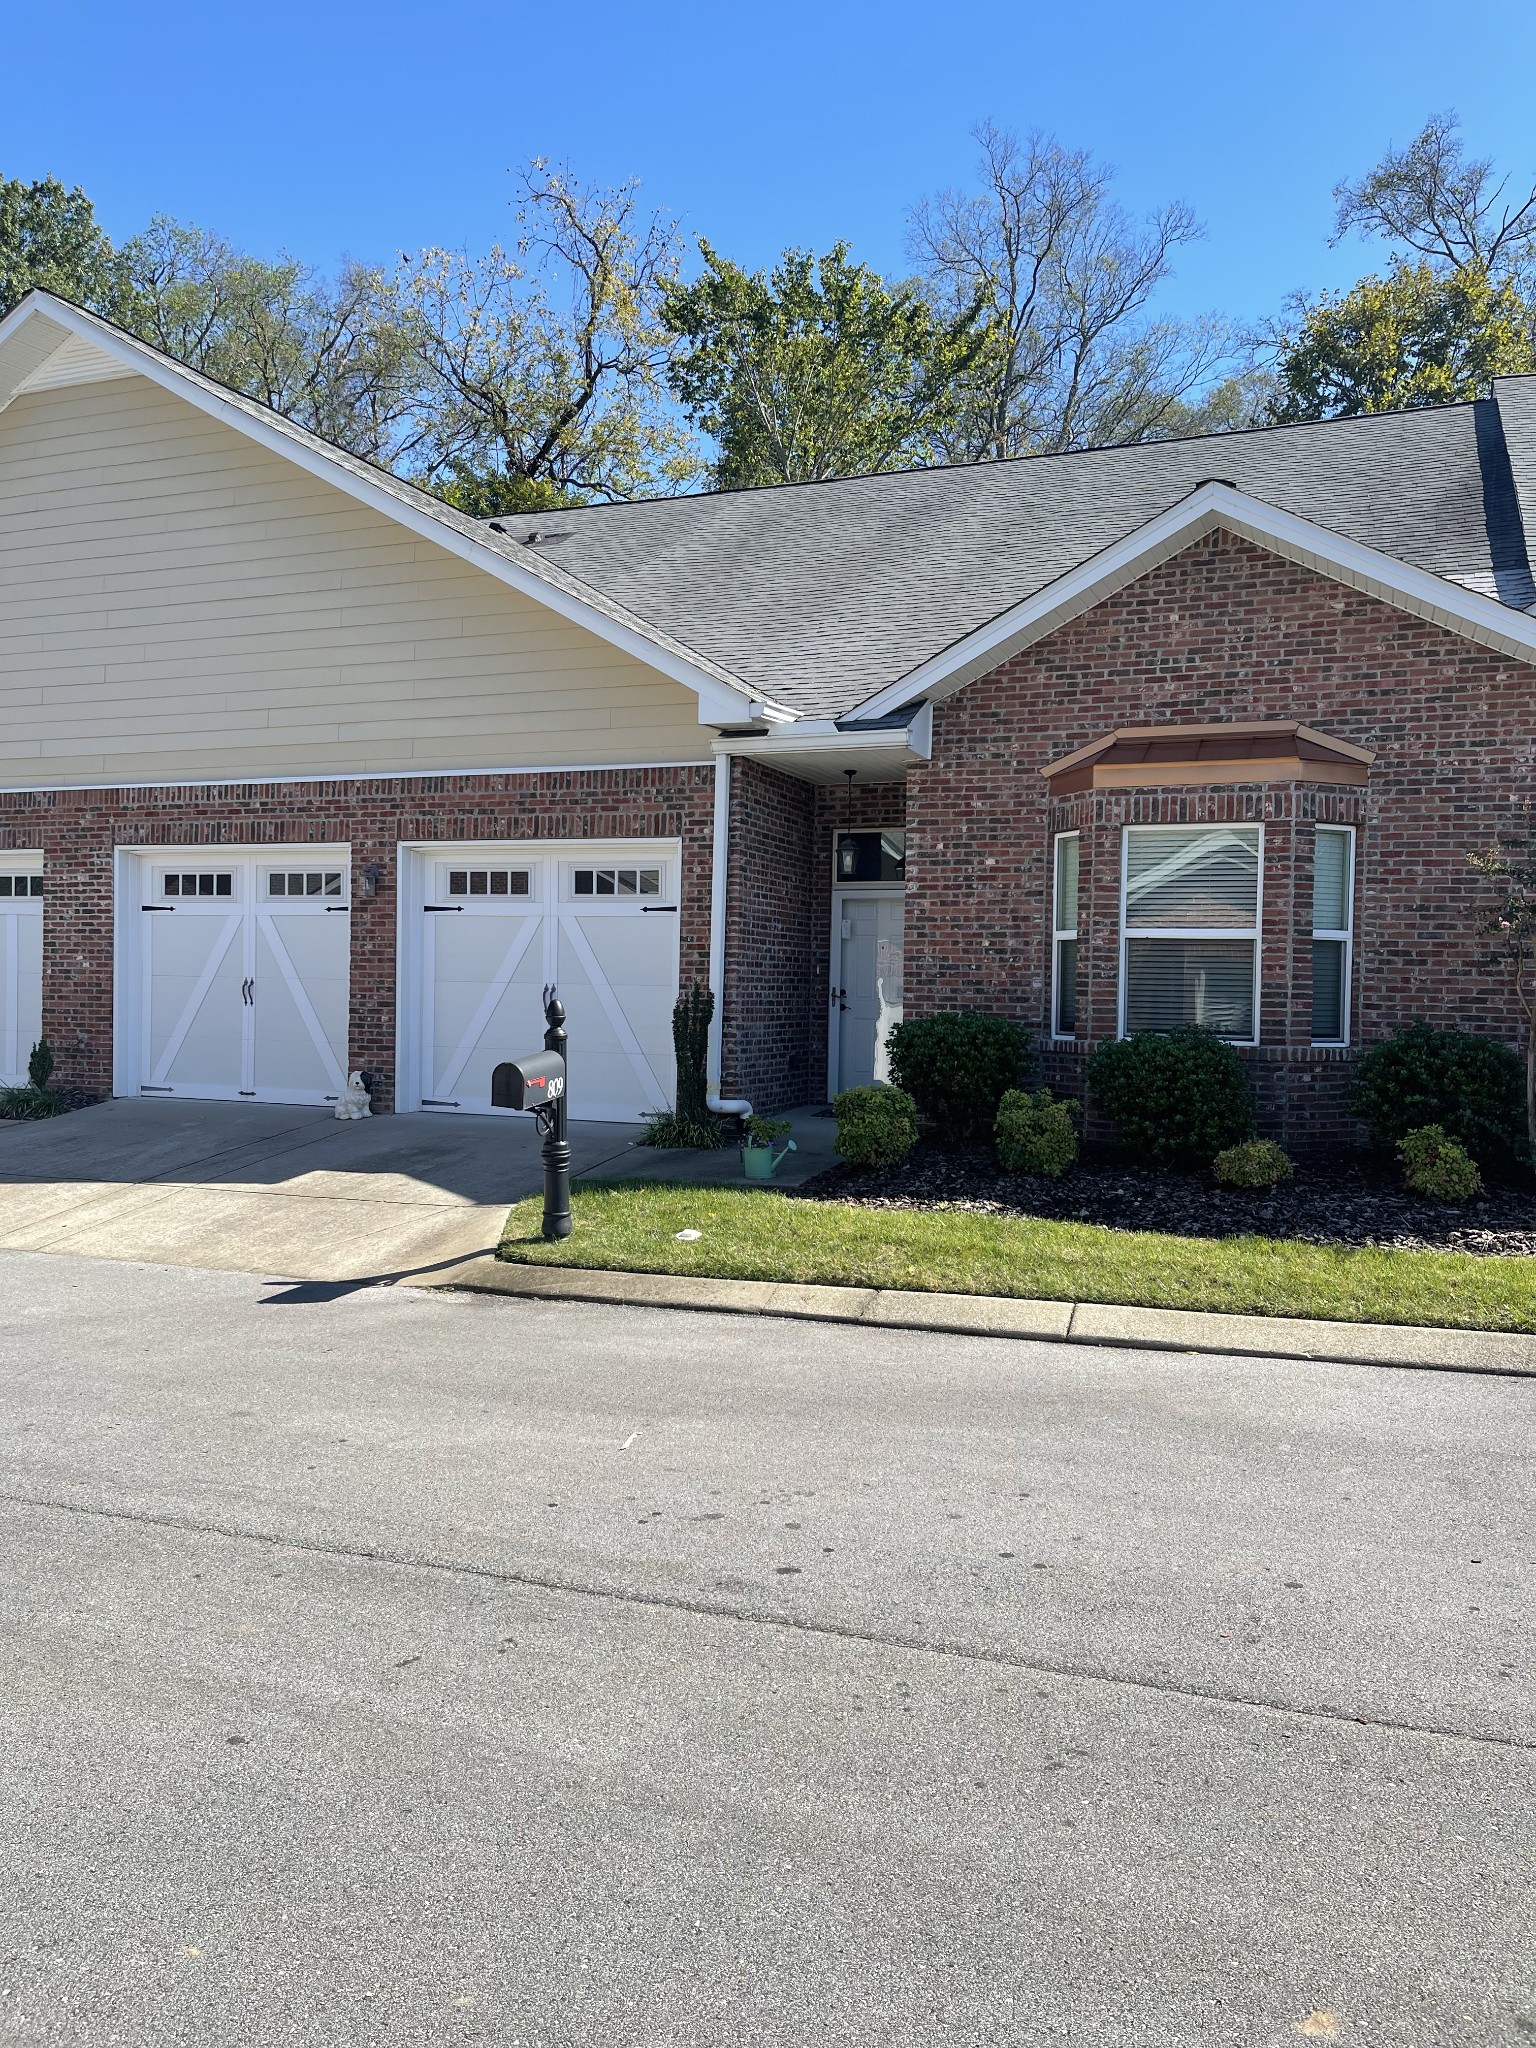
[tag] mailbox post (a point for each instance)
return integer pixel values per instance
(538, 1084)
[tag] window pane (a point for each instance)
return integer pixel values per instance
(1330, 882)
(1328, 988)
(1066, 883)
(1190, 981)
(1206, 875)
(1066, 988)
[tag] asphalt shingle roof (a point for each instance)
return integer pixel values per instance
(820, 594)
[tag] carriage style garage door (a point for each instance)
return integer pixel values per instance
(235, 983)
(489, 926)
(21, 962)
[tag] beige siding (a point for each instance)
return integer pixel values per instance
(179, 605)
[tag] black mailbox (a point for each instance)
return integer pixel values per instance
(533, 1083)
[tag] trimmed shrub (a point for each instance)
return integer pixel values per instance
(1036, 1134)
(1472, 1088)
(875, 1126)
(40, 1064)
(1434, 1164)
(1177, 1097)
(1260, 1163)
(958, 1066)
(692, 1123)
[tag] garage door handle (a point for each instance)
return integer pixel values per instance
(442, 906)
(345, 909)
(649, 907)
(167, 907)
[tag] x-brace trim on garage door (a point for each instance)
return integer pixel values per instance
(622, 1030)
(195, 1001)
(495, 990)
(294, 982)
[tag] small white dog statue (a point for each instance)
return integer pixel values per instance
(354, 1102)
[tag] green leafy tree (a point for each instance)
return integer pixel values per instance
(1415, 337)
(541, 370)
(1064, 277)
(50, 240)
(330, 353)
(816, 370)
(1435, 202)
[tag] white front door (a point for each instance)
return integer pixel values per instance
(867, 967)
(21, 963)
(243, 975)
(500, 922)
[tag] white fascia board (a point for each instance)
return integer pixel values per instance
(1464, 612)
(824, 755)
(722, 699)
(25, 346)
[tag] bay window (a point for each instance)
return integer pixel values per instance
(1333, 895)
(1064, 938)
(1191, 898)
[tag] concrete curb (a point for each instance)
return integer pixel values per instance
(993, 1315)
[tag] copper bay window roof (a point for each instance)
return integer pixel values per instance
(1267, 750)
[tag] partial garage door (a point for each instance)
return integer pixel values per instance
(243, 975)
(21, 963)
(499, 923)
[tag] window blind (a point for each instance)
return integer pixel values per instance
(1172, 982)
(1196, 879)
(1064, 935)
(1330, 882)
(1332, 878)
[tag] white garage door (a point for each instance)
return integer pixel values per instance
(243, 974)
(499, 922)
(21, 963)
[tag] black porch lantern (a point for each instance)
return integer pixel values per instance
(847, 845)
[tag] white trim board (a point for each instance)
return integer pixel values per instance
(42, 325)
(320, 776)
(1463, 612)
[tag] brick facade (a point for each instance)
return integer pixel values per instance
(772, 998)
(778, 927)
(1222, 631)
(1225, 630)
(77, 831)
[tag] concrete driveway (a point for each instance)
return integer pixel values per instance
(262, 1188)
(257, 1187)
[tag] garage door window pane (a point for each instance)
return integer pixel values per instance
(488, 881)
(21, 885)
(206, 884)
(616, 881)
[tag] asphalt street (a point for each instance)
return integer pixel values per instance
(388, 1667)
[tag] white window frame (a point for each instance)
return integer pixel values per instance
(1226, 931)
(1060, 932)
(1346, 935)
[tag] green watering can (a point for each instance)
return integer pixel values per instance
(758, 1161)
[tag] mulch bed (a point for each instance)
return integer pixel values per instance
(1346, 1199)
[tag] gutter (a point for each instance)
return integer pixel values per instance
(720, 1105)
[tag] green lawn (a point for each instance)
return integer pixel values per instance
(752, 1234)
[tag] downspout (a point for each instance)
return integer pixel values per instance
(721, 1105)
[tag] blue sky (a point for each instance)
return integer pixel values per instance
(334, 129)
